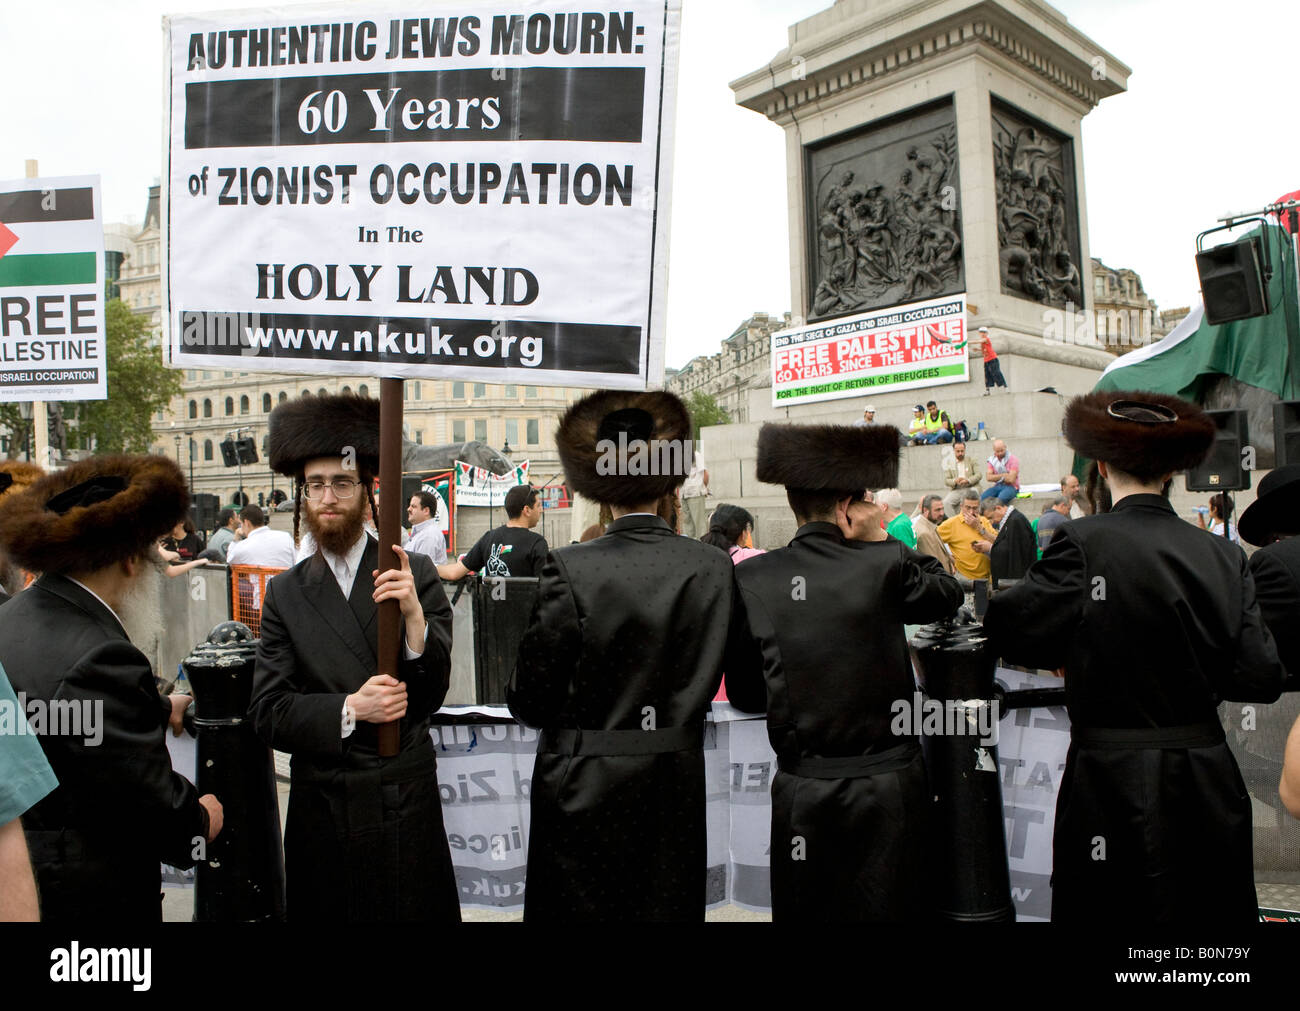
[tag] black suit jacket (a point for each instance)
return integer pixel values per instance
(1014, 549)
(317, 648)
(1276, 569)
(119, 809)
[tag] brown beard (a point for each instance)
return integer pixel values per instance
(337, 538)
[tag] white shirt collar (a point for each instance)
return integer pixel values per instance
(422, 525)
(345, 567)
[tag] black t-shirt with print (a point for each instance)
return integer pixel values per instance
(507, 551)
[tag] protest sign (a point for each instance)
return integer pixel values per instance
(52, 290)
(450, 190)
(915, 345)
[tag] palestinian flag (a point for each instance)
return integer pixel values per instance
(44, 241)
(1263, 352)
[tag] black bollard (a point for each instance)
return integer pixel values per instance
(242, 877)
(955, 669)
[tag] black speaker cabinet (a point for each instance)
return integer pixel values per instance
(246, 450)
(1232, 284)
(206, 508)
(1286, 433)
(1222, 469)
(229, 455)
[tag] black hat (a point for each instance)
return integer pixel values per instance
(310, 427)
(832, 458)
(93, 513)
(1276, 509)
(1138, 432)
(600, 437)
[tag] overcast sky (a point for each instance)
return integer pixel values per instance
(1203, 130)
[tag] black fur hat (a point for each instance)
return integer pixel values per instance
(309, 427)
(839, 458)
(597, 441)
(95, 513)
(1138, 432)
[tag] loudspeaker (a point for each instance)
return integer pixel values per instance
(229, 456)
(1222, 469)
(206, 508)
(1286, 433)
(1232, 284)
(246, 449)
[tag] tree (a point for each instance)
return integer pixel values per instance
(138, 385)
(704, 412)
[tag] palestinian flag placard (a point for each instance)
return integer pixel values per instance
(51, 290)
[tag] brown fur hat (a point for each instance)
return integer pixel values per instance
(15, 475)
(95, 513)
(832, 458)
(597, 442)
(309, 427)
(1138, 432)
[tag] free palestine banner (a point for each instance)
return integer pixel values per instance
(438, 191)
(51, 290)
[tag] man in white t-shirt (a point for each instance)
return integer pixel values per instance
(260, 545)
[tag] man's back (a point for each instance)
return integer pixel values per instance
(645, 624)
(272, 549)
(507, 552)
(1156, 619)
(830, 615)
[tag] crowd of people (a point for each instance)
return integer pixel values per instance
(1151, 621)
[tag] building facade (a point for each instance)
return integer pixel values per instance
(743, 364)
(1125, 316)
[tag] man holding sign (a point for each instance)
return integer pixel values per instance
(364, 839)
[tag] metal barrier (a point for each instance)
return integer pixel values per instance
(502, 608)
(247, 591)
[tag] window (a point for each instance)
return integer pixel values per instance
(266, 444)
(207, 449)
(419, 438)
(457, 391)
(194, 408)
(458, 431)
(512, 430)
(228, 374)
(306, 393)
(415, 386)
(363, 390)
(532, 432)
(346, 389)
(158, 416)
(189, 374)
(480, 389)
(230, 405)
(283, 397)
(530, 392)
(480, 429)
(243, 404)
(322, 392)
(512, 392)
(266, 402)
(207, 408)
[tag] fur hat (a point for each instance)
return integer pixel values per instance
(833, 458)
(94, 513)
(15, 475)
(309, 427)
(598, 440)
(1138, 432)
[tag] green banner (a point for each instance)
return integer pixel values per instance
(22, 271)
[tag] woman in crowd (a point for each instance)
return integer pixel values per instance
(731, 528)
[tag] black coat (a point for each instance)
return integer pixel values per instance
(119, 810)
(629, 636)
(827, 616)
(1014, 549)
(1276, 569)
(1155, 623)
(364, 839)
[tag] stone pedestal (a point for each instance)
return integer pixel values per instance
(1013, 79)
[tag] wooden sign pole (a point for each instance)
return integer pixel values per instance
(389, 522)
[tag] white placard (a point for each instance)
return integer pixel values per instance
(444, 191)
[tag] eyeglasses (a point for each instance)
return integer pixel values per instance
(343, 487)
